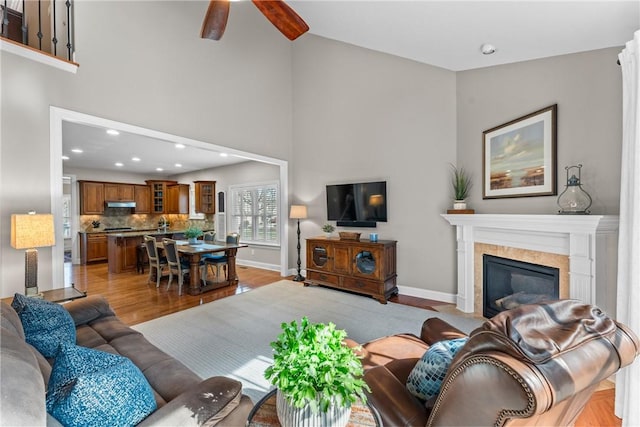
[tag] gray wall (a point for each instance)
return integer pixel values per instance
(337, 112)
(362, 115)
(588, 90)
(154, 72)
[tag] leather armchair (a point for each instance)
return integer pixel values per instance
(537, 364)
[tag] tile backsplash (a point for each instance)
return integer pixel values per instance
(142, 221)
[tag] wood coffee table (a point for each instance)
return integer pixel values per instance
(264, 414)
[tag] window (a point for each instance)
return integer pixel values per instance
(254, 213)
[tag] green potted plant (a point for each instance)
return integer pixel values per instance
(192, 233)
(461, 184)
(328, 229)
(317, 375)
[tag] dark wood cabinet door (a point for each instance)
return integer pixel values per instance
(92, 198)
(341, 259)
(320, 256)
(142, 197)
(367, 263)
(205, 194)
(96, 248)
(118, 192)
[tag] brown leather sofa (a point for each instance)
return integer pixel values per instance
(534, 365)
(182, 397)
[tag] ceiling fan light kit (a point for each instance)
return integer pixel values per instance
(285, 19)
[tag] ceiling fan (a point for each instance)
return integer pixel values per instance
(276, 11)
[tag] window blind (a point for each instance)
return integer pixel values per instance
(254, 212)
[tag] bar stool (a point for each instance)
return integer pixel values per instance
(141, 258)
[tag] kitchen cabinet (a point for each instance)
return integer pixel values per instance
(114, 192)
(93, 247)
(159, 195)
(142, 197)
(205, 196)
(177, 200)
(91, 198)
(364, 267)
(123, 252)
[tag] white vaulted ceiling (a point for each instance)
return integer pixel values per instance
(449, 34)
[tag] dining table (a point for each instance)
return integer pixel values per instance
(194, 252)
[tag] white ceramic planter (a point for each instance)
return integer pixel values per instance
(291, 416)
(459, 204)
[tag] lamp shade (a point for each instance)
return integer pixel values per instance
(298, 212)
(32, 231)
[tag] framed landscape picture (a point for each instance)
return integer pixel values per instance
(519, 157)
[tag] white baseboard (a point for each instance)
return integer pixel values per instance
(294, 272)
(263, 265)
(427, 294)
(407, 290)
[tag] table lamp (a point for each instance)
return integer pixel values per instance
(298, 212)
(31, 231)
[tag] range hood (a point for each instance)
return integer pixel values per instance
(120, 204)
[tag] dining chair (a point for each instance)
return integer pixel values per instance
(177, 266)
(209, 237)
(156, 262)
(218, 260)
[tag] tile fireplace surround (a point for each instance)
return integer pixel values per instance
(588, 242)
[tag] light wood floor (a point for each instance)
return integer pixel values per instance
(135, 300)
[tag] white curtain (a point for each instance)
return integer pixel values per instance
(628, 299)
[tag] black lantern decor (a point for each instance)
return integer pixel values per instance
(574, 200)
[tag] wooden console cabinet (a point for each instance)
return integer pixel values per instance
(359, 266)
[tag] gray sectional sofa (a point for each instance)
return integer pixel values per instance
(182, 397)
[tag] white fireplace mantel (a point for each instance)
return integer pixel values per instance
(590, 242)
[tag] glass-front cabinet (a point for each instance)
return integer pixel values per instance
(321, 257)
(365, 263)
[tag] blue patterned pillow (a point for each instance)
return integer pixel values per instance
(91, 387)
(46, 324)
(426, 377)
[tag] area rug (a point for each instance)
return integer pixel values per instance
(231, 336)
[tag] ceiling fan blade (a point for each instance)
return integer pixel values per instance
(283, 17)
(215, 21)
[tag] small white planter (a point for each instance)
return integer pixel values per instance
(291, 416)
(459, 204)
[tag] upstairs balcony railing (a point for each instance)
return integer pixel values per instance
(44, 25)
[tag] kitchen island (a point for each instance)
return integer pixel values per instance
(122, 246)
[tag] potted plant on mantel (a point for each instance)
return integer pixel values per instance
(192, 233)
(461, 183)
(317, 375)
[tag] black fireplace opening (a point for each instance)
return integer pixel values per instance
(508, 283)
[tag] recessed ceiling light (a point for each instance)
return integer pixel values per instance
(118, 164)
(179, 145)
(159, 169)
(76, 150)
(223, 154)
(178, 165)
(65, 157)
(487, 49)
(113, 132)
(135, 159)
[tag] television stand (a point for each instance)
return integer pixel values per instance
(359, 266)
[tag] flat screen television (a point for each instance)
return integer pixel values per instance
(357, 205)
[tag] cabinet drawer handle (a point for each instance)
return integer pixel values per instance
(323, 277)
(360, 284)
